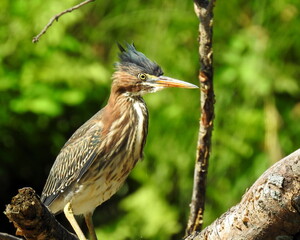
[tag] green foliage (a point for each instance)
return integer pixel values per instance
(147, 209)
(49, 89)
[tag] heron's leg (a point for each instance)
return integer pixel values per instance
(70, 216)
(90, 225)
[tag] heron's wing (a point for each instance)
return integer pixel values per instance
(74, 159)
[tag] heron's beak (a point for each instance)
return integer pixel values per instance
(164, 81)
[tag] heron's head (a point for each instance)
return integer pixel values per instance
(136, 74)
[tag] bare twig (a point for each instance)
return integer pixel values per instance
(204, 11)
(33, 220)
(57, 16)
(269, 210)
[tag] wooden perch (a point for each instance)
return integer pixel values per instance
(269, 210)
(33, 220)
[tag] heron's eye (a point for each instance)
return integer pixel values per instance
(142, 76)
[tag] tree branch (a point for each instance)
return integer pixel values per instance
(33, 220)
(204, 11)
(57, 16)
(269, 210)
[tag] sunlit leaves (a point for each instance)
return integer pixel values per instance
(49, 89)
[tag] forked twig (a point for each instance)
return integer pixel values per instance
(57, 16)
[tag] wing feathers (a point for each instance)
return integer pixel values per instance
(74, 159)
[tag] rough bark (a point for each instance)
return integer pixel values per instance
(269, 210)
(33, 220)
(204, 11)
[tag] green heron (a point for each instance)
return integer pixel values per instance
(94, 163)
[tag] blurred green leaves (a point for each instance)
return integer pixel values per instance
(48, 89)
(41, 100)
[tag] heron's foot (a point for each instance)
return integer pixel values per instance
(70, 216)
(90, 225)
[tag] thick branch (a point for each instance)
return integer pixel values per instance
(56, 17)
(204, 11)
(33, 220)
(269, 210)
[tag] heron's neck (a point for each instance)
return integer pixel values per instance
(122, 104)
(118, 99)
(130, 112)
